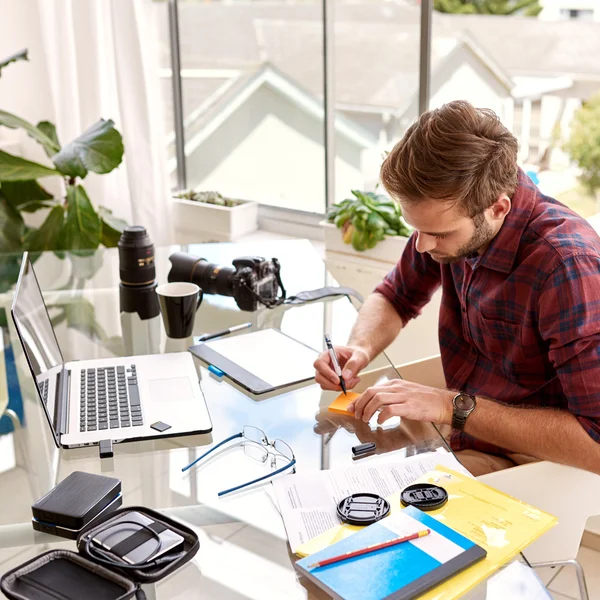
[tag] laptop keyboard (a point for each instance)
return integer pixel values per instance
(44, 385)
(109, 398)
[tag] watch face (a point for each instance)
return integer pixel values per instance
(464, 402)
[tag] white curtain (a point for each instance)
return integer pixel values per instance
(102, 63)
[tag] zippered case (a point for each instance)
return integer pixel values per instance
(66, 575)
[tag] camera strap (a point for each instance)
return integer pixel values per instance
(324, 292)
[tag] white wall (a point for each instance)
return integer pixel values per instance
(272, 152)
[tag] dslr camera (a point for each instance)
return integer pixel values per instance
(251, 281)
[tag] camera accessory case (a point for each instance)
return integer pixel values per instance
(66, 575)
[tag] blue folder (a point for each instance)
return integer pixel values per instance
(399, 572)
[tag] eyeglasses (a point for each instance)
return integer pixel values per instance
(257, 446)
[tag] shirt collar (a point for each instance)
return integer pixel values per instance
(502, 251)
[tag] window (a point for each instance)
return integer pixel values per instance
(252, 83)
(577, 13)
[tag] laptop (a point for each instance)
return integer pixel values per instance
(121, 399)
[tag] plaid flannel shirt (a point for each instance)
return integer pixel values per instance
(519, 324)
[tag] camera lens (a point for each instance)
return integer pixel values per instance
(136, 257)
(214, 279)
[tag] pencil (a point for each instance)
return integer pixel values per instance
(371, 548)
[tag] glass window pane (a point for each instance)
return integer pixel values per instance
(253, 101)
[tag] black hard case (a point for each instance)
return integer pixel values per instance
(76, 500)
(65, 575)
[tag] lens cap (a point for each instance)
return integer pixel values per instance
(363, 509)
(424, 496)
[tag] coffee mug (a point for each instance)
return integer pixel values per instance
(179, 302)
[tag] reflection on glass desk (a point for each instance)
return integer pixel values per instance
(83, 299)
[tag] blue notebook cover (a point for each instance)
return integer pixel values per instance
(400, 572)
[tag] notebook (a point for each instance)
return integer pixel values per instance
(399, 572)
(501, 524)
(260, 361)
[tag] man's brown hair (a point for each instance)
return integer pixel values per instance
(456, 152)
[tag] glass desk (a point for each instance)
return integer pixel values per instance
(244, 552)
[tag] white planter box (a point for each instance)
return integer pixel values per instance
(388, 250)
(201, 222)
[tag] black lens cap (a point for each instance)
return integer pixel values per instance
(424, 496)
(363, 509)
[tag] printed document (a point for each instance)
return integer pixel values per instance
(308, 501)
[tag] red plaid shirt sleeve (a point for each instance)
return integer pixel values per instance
(569, 323)
(411, 283)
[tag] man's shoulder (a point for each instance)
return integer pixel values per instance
(556, 234)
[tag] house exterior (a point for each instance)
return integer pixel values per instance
(560, 10)
(534, 74)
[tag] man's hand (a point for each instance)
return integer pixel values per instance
(352, 360)
(398, 398)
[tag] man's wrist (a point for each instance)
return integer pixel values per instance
(448, 407)
(364, 348)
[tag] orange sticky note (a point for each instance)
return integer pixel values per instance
(340, 404)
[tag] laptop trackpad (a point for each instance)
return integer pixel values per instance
(171, 390)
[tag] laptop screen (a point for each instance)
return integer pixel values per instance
(37, 337)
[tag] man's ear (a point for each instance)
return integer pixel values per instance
(500, 208)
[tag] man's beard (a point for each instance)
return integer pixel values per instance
(482, 235)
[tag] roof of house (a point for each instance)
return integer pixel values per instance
(376, 49)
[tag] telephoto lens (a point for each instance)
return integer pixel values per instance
(140, 309)
(136, 257)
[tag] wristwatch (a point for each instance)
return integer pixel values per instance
(463, 405)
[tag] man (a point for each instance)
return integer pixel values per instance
(519, 322)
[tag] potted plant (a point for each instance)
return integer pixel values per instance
(71, 222)
(210, 216)
(369, 224)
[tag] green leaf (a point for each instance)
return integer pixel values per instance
(49, 130)
(81, 230)
(27, 196)
(12, 227)
(98, 149)
(21, 55)
(15, 168)
(13, 122)
(47, 236)
(111, 227)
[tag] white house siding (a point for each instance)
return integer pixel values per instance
(272, 152)
(464, 77)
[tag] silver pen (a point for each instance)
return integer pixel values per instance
(335, 363)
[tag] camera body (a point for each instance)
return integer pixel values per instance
(253, 280)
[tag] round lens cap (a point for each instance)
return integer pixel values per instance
(363, 509)
(424, 496)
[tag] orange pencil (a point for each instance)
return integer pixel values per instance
(371, 548)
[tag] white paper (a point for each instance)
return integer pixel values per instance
(269, 355)
(308, 501)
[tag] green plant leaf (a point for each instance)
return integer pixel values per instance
(13, 122)
(49, 130)
(47, 236)
(21, 55)
(98, 149)
(12, 227)
(81, 230)
(27, 196)
(15, 168)
(111, 227)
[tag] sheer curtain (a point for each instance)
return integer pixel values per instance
(102, 62)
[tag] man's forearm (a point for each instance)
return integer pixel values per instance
(548, 434)
(376, 327)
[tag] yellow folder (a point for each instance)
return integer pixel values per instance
(501, 524)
